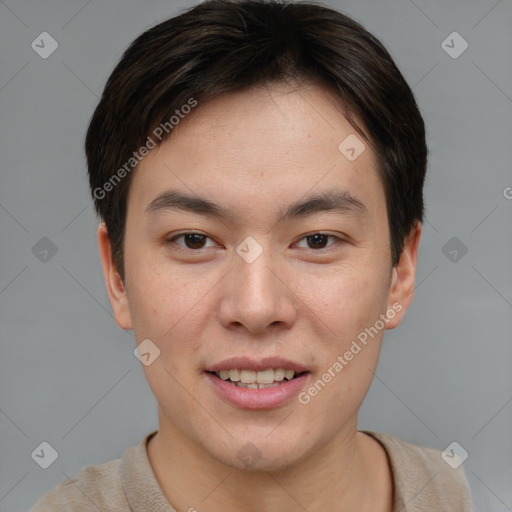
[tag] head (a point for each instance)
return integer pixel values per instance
(301, 152)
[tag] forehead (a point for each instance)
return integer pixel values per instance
(275, 141)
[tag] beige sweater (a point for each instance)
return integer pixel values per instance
(423, 483)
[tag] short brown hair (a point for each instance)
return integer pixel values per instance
(220, 46)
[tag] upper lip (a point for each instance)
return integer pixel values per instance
(246, 363)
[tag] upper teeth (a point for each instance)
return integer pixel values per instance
(252, 376)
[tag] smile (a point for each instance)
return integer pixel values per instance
(257, 395)
(252, 379)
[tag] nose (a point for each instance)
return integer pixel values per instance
(257, 296)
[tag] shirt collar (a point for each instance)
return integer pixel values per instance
(140, 485)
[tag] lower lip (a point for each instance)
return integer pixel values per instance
(266, 398)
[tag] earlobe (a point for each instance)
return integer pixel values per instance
(115, 286)
(403, 277)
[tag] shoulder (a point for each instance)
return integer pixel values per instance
(93, 488)
(423, 479)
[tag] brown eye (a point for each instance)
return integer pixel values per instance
(192, 241)
(319, 240)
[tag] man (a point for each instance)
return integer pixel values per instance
(258, 170)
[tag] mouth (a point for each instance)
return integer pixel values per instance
(248, 383)
(252, 379)
(256, 389)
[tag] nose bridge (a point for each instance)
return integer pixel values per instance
(256, 278)
(256, 297)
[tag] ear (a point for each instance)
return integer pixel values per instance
(115, 287)
(402, 278)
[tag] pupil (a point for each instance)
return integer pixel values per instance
(194, 239)
(317, 239)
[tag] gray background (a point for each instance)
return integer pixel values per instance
(68, 375)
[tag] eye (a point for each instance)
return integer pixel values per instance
(191, 240)
(319, 240)
(195, 241)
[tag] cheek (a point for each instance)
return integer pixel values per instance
(345, 364)
(170, 313)
(161, 300)
(170, 310)
(347, 301)
(346, 307)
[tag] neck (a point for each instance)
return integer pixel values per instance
(350, 473)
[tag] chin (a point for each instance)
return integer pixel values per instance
(259, 453)
(260, 463)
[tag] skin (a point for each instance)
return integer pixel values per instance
(254, 152)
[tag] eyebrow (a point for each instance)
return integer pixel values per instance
(338, 201)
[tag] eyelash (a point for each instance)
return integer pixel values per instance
(174, 238)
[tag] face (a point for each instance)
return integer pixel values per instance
(278, 260)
